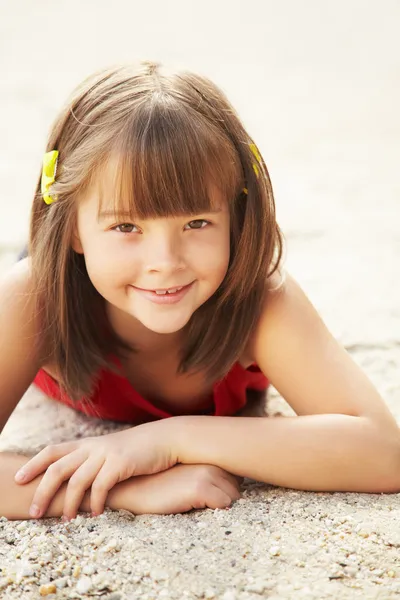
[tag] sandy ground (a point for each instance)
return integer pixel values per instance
(330, 132)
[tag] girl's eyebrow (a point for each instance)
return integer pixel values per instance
(105, 214)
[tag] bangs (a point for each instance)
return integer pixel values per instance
(168, 161)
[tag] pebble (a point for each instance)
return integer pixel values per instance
(61, 582)
(127, 569)
(259, 586)
(100, 581)
(3, 582)
(112, 546)
(84, 585)
(77, 571)
(300, 563)
(353, 558)
(229, 595)
(363, 534)
(256, 588)
(159, 575)
(89, 570)
(28, 569)
(351, 571)
(47, 588)
(99, 539)
(378, 572)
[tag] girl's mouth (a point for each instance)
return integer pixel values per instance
(171, 296)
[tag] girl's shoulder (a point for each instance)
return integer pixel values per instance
(275, 282)
(20, 354)
(15, 282)
(19, 272)
(18, 300)
(18, 306)
(283, 301)
(16, 287)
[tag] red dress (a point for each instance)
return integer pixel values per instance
(115, 399)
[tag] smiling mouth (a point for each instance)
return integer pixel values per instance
(164, 291)
(169, 291)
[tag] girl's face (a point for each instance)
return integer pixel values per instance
(123, 258)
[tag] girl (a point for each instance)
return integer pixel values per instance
(153, 295)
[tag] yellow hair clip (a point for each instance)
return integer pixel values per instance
(257, 155)
(49, 174)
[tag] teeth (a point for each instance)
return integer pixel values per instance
(171, 291)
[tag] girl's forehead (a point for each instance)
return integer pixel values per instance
(113, 190)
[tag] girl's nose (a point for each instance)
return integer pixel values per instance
(164, 255)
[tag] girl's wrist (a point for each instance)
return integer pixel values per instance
(167, 433)
(178, 440)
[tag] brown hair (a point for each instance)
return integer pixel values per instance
(172, 133)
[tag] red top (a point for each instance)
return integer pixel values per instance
(115, 399)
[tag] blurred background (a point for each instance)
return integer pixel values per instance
(315, 82)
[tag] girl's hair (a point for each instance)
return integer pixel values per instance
(172, 134)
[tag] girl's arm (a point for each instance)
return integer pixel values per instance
(15, 499)
(175, 490)
(344, 439)
(316, 452)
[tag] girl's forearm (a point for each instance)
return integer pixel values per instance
(328, 452)
(16, 499)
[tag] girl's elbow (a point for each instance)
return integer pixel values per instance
(390, 486)
(385, 460)
(390, 482)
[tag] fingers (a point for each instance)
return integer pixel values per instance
(230, 488)
(105, 480)
(217, 497)
(218, 490)
(234, 480)
(55, 475)
(41, 461)
(80, 481)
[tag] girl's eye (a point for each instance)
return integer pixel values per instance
(198, 221)
(124, 228)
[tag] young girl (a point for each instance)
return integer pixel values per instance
(153, 295)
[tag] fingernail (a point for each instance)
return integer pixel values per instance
(94, 514)
(20, 476)
(65, 519)
(34, 511)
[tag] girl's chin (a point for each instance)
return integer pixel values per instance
(164, 327)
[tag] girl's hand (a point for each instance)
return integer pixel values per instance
(99, 462)
(177, 490)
